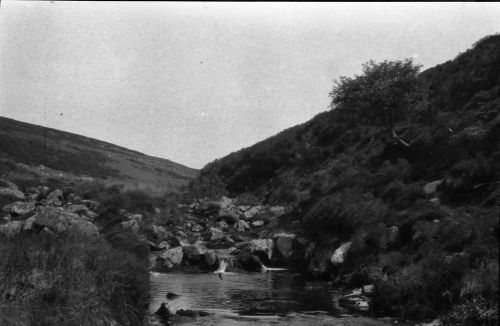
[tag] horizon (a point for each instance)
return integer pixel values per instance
(128, 74)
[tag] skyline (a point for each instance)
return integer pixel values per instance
(192, 82)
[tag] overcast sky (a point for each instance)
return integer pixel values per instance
(192, 82)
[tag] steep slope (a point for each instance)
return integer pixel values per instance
(67, 154)
(418, 207)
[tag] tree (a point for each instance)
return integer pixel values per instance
(379, 96)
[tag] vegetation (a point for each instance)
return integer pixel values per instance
(359, 170)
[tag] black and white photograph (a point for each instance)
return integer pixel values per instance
(170, 163)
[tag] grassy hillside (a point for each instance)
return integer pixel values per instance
(350, 179)
(69, 154)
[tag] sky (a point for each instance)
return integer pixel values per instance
(194, 81)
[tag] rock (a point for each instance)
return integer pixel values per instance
(264, 246)
(19, 208)
(252, 212)
(229, 216)
(131, 225)
(78, 209)
(284, 244)
(172, 296)
(355, 300)
(221, 225)
(310, 250)
(242, 226)
(435, 201)
(186, 313)
(368, 288)
(194, 252)
(7, 218)
(196, 227)
(59, 220)
(216, 234)
(431, 187)
(91, 204)
(169, 259)
(258, 223)
(202, 313)
(55, 197)
(249, 262)
(210, 257)
(11, 229)
(165, 311)
(225, 202)
(277, 210)
(11, 193)
(339, 255)
(28, 223)
(173, 242)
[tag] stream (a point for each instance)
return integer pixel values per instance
(243, 299)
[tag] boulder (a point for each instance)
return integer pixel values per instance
(221, 225)
(170, 258)
(55, 197)
(284, 243)
(249, 262)
(59, 220)
(19, 208)
(131, 225)
(194, 252)
(242, 226)
(431, 187)
(258, 223)
(11, 193)
(250, 213)
(339, 255)
(196, 227)
(165, 311)
(28, 223)
(173, 242)
(91, 204)
(277, 210)
(263, 246)
(11, 229)
(229, 216)
(356, 300)
(210, 257)
(225, 202)
(216, 234)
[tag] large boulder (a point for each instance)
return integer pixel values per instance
(210, 257)
(284, 243)
(340, 253)
(169, 259)
(193, 252)
(19, 208)
(262, 246)
(249, 262)
(59, 220)
(11, 229)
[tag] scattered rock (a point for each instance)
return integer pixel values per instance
(19, 208)
(339, 255)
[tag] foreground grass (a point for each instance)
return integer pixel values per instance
(63, 280)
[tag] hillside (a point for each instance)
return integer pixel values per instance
(24, 147)
(418, 205)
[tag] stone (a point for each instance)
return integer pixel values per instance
(194, 251)
(11, 193)
(210, 257)
(7, 218)
(78, 209)
(229, 216)
(11, 229)
(221, 225)
(431, 187)
(171, 257)
(216, 234)
(55, 197)
(250, 213)
(196, 227)
(249, 262)
(28, 223)
(91, 204)
(19, 208)
(277, 210)
(131, 225)
(284, 244)
(368, 288)
(242, 226)
(186, 313)
(225, 202)
(339, 255)
(59, 220)
(258, 223)
(263, 246)
(165, 311)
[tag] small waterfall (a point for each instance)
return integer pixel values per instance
(265, 269)
(222, 266)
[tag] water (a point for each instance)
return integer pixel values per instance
(244, 299)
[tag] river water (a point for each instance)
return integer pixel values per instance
(244, 299)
